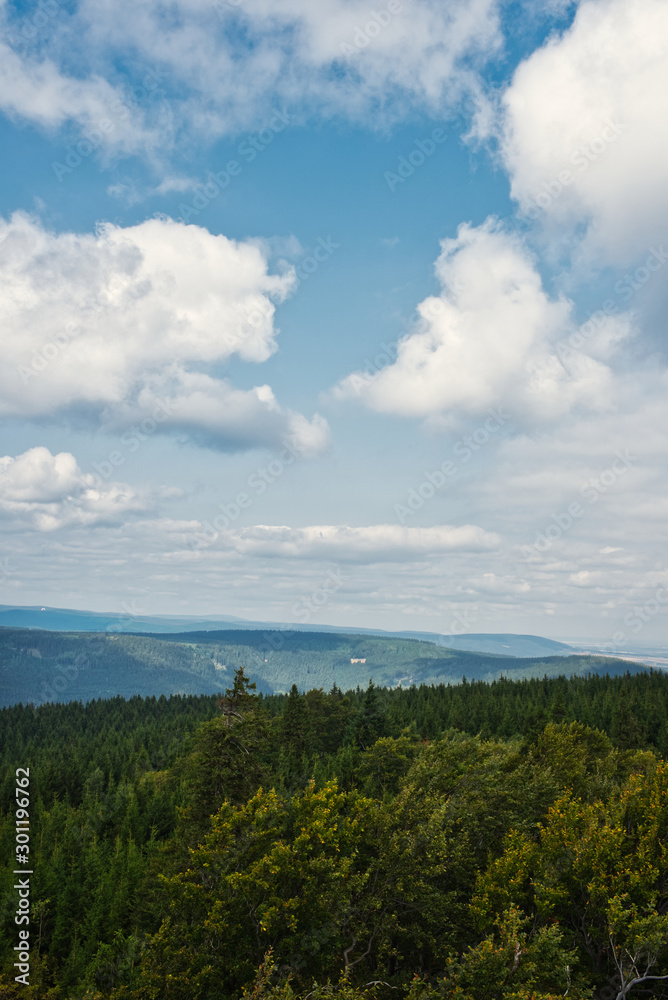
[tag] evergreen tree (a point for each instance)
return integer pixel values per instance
(370, 723)
(295, 729)
(517, 858)
(624, 729)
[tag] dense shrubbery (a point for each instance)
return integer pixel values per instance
(470, 842)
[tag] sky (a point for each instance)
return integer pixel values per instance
(337, 313)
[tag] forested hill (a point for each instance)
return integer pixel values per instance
(71, 620)
(480, 841)
(39, 666)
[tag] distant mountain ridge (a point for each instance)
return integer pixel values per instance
(500, 644)
(41, 665)
(67, 620)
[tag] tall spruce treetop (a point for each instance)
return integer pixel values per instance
(225, 760)
(295, 729)
(370, 723)
(239, 698)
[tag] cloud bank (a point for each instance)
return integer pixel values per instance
(223, 67)
(374, 543)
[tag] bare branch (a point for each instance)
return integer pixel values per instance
(634, 982)
(347, 952)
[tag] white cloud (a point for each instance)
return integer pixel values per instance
(45, 492)
(415, 50)
(591, 103)
(212, 412)
(375, 543)
(488, 339)
(99, 327)
(34, 87)
(227, 67)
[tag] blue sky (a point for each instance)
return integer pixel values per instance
(289, 290)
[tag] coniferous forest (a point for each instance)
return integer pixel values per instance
(477, 841)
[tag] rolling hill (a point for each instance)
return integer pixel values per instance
(68, 620)
(40, 666)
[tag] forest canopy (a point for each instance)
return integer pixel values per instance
(477, 841)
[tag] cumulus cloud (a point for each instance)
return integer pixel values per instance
(489, 338)
(45, 492)
(375, 543)
(213, 413)
(34, 86)
(581, 135)
(101, 327)
(228, 65)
